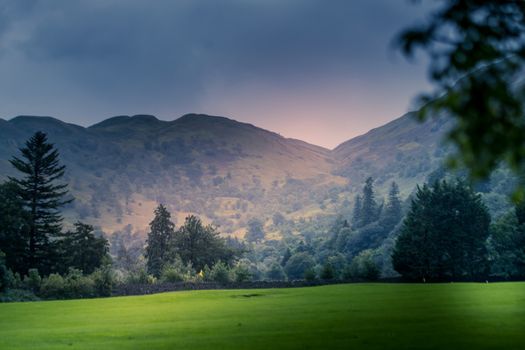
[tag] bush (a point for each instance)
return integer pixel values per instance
(298, 264)
(328, 272)
(3, 272)
(275, 272)
(11, 281)
(177, 272)
(12, 295)
(309, 274)
(171, 274)
(140, 276)
(103, 279)
(74, 285)
(33, 280)
(79, 286)
(53, 287)
(363, 266)
(241, 273)
(220, 273)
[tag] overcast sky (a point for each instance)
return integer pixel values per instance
(318, 70)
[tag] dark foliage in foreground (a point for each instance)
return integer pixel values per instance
(477, 52)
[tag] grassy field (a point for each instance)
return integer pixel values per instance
(353, 316)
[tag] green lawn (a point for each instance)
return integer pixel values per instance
(352, 316)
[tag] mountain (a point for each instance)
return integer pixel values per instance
(225, 171)
(403, 150)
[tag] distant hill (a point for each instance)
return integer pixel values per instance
(403, 150)
(216, 167)
(223, 170)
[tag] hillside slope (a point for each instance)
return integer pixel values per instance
(230, 172)
(216, 167)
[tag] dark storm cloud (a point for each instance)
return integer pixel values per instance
(88, 59)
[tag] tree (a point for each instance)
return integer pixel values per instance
(278, 219)
(287, 255)
(477, 53)
(298, 265)
(14, 229)
(369, 209)
(364, 266)
(393, 211)
(356, 216)
(507, 244)
(255, 231)
(275, 272)
(328, 271)
(81, 249)
(444, 234)
(41, 197)
(200, 245)
(3, 272)
(161, 232)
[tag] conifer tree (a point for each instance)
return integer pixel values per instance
(41, 197)
(356, 216)
(393, 211)
(161, 233)
(255, 231)
(444, 235)
(369, 208)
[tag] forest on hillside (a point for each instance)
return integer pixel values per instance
(442, 232)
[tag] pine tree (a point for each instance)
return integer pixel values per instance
(356, 216)
(41, 197)
(255, 231)
(162, 231)
(393, 211)
(369, 208)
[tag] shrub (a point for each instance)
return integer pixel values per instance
(220, 273)
(309, 274)
(363, 266)
(53, 286)
(33, 280)
(10, 280)
(206, 273)
(241, 273)
(73, 285)
(275, 272)
(171, 274)
(298, 264)
(140, 276)
(103, 279)
(79, 286)
(177, 272)
(3, 272)
(12, 295)
(328, 272)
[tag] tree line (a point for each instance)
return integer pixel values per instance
(446, 234)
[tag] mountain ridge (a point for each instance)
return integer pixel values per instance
(225, 171)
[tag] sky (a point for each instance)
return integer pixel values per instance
(318, 70)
